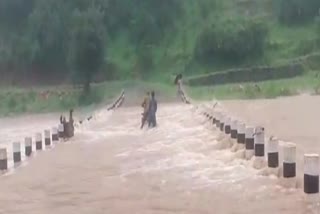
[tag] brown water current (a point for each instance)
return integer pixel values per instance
(113, 167)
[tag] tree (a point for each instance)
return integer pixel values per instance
(14, 13)
(231, 40)
(297, 11)
(87, 46)
(48, 30)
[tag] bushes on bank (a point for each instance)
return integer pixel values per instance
(231, 40)
(296, 11)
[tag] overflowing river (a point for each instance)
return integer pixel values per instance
(113, 167)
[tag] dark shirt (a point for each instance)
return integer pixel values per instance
(153, 106)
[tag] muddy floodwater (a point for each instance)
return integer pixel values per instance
(113, 167)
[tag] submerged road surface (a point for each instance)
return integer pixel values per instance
(113, 167)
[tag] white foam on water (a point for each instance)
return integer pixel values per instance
(205, 170)
(196, 154)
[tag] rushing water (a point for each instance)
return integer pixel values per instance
(111, 166)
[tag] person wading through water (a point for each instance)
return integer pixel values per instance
(178, 83)
(64, 123)
(153, 106)
(180, 92)
(68, 127)
(145, 106)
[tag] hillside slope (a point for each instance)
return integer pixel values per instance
(155, 39)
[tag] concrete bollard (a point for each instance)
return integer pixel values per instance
(28, 146)
(211, 116)
(61, 130)
(273, 156)
(311, 174)
(214, 119)
(241, 136)
(55, 135)
(233, 131)
(38, 141)
(222, 122)
(249, 141)
(259, 148)
(218, 118)
(239, 145)
(16, 152)
(289, 164)
(259, 142)
(207, 115)
(227, 125)
(47, 137)
(3, 159)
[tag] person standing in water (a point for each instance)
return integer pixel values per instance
(71, 124)
(68, 127)
(145, 106)
(153, 106)
(178, 83)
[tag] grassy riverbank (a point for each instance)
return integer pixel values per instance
(266, 89)
(62, 98)
(33, 100)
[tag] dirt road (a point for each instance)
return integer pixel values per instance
(112, 167)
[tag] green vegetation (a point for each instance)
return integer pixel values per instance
(87, 50)
(147, 39)
(85, 41)
(231, 40)
(297, 11)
